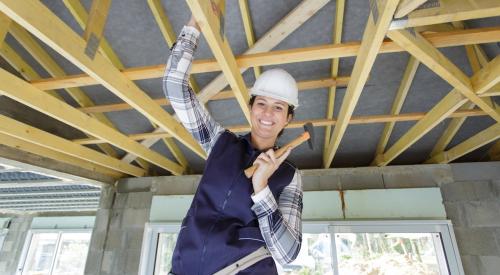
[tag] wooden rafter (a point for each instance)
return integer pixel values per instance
(18, 130)
(439, 40)
(403, 89)
(336, 39)
(21, 66)
(81, 16)
(48, 63)
(168, 32)
(23, 92)
(56, 155)
(94, 28)
(449, 104)
(407, 6)
(247, 25)
(227, 94)
(355, 120)
(480, 139)
(76, 8)
(455, 124)
(293, 20)
(211, 23)
(4, 27)
(35, 17)
(449, 11)
(375, 30)
(423, 51)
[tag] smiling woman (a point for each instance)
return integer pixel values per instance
(232, 219)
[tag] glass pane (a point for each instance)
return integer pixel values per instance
(314, 257)
(40, 254)
(72, 254)
(386, 253)
(166, 245)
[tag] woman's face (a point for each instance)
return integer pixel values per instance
(269, 116)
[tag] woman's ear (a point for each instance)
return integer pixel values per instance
(289, 118)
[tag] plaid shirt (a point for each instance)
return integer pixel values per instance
(280, 222)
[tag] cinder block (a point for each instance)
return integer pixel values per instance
(107, 261)
(133, 260)
(456, 213)
(476, 241)
(457, 191)
(116, 240)
(416, 176)
(483, 213)
(476, 171)
(134, 218)
(106, 199)
(310, 183)
(139, 200)
(120, 201)
(362, 179)
(470, 264)
(102, 219)
(329, 182)
(115, 220)
(93, 263)
(133, 238)
(489, 265)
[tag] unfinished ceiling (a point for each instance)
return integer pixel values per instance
(455, 80)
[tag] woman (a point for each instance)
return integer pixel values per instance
(233, 220)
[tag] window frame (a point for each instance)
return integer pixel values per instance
(447, 252)
(29, 238)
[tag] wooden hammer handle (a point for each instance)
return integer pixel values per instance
(292, 144)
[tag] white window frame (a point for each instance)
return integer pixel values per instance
(447, 250)
(150, 244)
(29, 237)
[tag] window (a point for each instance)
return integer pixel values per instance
(55, 252)
(342, 248)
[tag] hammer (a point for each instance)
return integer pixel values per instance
(307, 135)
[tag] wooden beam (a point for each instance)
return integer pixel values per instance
(482, 138)
(336, 39)
(375, 30)
(407, 6)
(81, 16)
(23, 92)
(417, 46)
(449, 104)
(403, 89)
(49, 64)
(4, 27)
(57, 155)
(78, 11)
(455, 124)
(22, 67)
(442, 11)
(355, 120)
(35, 17)
(211, 21)
(293, 20)
(227, 94)
(247, 25)
(168, 32)
(33, 135)
(439, 40)
(94, 29)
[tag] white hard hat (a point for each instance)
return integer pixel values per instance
(278, 84)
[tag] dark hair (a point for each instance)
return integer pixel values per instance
(290, 112)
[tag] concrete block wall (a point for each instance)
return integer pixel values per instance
(117, 236)
(472, 203)
(13, 244)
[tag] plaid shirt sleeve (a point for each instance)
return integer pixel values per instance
(190, 112)
(281, 223)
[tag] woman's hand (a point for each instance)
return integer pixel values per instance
(267, 164)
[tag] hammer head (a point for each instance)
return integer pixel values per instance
(308, 127)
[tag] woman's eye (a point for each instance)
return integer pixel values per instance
(260, 104)
(278, 108)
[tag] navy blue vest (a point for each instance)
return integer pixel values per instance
(220, 227)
